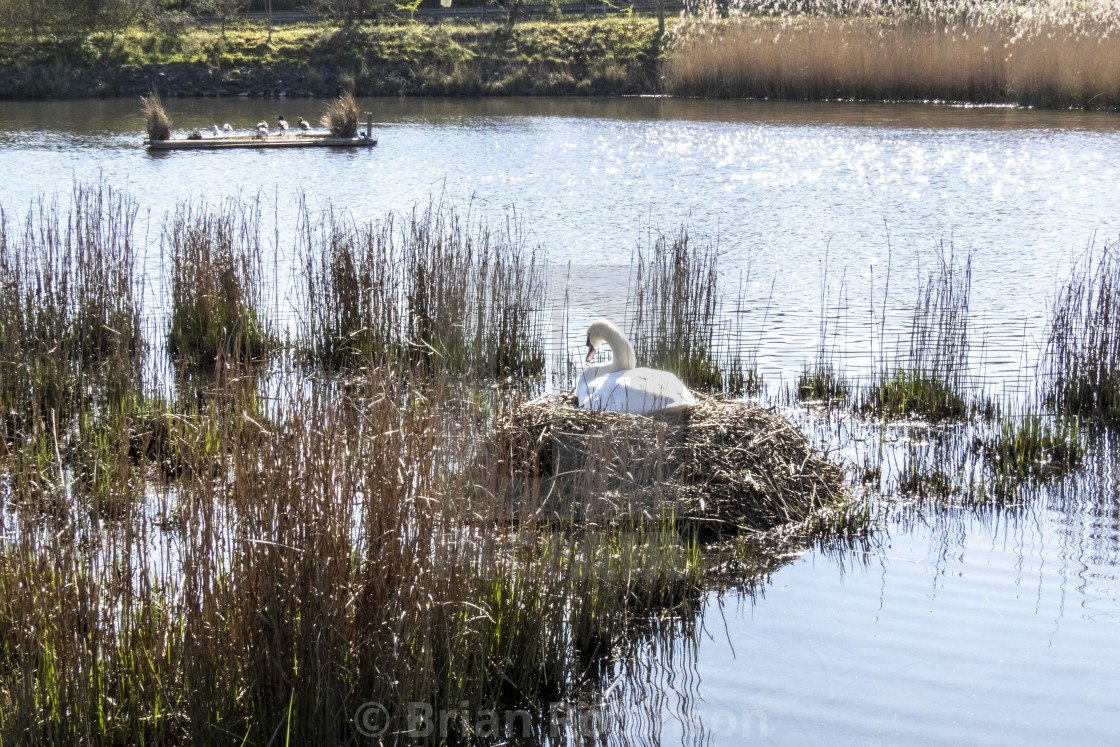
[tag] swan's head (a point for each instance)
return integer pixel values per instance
(599, 332)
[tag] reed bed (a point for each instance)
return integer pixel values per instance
(1081, 365)
(676, 312)
(1030, 445)
(430, 290)
(314, 562)
(1047, 54)
(354, 314)
(254, 553)
(1001, 462)
(70, 332)
(216, 304)
(260, 553)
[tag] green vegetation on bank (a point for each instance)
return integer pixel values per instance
(601, 56)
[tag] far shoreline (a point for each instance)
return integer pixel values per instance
(857, 59)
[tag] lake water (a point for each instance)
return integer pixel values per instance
(960, 625)
(776, 186)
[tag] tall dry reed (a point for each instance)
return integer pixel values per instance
(475, 294)
(951, 56)
(353, 275)
(70, 325)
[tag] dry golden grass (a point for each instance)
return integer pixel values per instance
(1059, 64)
(341, 117)
(159, 124)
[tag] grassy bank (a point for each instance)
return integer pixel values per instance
(604, 56)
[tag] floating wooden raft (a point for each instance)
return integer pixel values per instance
(290, 140)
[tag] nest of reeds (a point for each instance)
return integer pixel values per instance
(341, 117)
(159, 124)
(722, 464)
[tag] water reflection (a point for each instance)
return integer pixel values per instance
(955, 622)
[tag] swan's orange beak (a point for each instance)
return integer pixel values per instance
(590, 353)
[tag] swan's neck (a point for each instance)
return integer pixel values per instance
(621, 349)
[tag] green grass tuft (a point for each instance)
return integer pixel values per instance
(1034, 446)
(915, 393)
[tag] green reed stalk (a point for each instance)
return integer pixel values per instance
(931, 378)
(675, 307)
(1081, 365)
(822, 381)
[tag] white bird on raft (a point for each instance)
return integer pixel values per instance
(282, 124)
(226, 128)
(619, 386)
(303, 126)
(216, 131)
(262, 129)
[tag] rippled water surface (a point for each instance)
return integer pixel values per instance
(775, 184)
(976, 626)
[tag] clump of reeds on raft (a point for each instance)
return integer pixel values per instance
(721, 464)
(341, 117)
(159, 124)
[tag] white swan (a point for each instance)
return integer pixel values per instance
(619, 386)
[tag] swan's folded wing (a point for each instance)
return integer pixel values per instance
(638, 391)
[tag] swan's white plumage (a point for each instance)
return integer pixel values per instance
(638, 391)
(620, 387)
